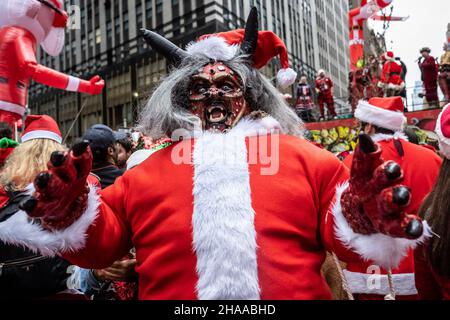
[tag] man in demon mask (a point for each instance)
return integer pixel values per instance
(218, 226)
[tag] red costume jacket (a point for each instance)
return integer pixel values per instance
(390, 75)
(421, 167)
(429, 70)
(324, 86)
(217, 218)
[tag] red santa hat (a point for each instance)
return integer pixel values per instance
(389, 56)
(443, 131)
(41, 127)
(383, 112)
(225, 45)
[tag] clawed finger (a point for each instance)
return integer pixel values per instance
(28, 205)
(366, 144)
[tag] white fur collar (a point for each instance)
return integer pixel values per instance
(386, 137)
(246, 126)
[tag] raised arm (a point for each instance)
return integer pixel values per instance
(368, 217)
(71, 218)
(50, 77)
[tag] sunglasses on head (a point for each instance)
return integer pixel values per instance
(51, 6)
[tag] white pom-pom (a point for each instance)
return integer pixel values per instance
(286, 77)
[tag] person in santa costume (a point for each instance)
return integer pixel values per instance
(383, 120)
(324, 89)
(429, 69)
(304, 103)
(213, 215)
(390, 79)
(23, 272)
(432, 259)
(25, 24)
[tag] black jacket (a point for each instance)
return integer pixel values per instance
(26, 274)
(107, 173)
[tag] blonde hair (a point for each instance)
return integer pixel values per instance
(26, 161)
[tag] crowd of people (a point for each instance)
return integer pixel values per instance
(192, 205)
(380, 77)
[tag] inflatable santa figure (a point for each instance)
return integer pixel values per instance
(25, 24)
(390, 79)
(357, 17)
(217, 218)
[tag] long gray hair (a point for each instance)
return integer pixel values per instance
(167, 108)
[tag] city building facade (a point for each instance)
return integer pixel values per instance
(103, 39)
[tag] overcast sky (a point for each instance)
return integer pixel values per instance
(426, 26)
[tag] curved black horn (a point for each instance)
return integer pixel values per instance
(251, 33)
(163, 46)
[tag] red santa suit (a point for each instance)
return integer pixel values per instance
(390, 78)
(325, 95)
(429, 70)
(215, 229)
(19, 38)
(421, 167)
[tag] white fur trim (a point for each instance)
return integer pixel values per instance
(138, 157)
(73, 84)
(33, 26)
(397, 87)
(54, 42)
(41, 134)
(388, 58)
(356, 41)
(444, 142)
(386, 137)
(213, 47)
(380, 117)
(22, 231)
(286, 77)
(12, 107)
(224, 236)
(254, 127)
(383, 250)
(404, 284)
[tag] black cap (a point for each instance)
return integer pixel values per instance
(100, 137)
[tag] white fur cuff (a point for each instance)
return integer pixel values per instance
(22, 231)
(383, 250)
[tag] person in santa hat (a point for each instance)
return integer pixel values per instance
(25, 24)
(324, 89)
(216, 216)
(390, 79)
(429, 69)
(384, 121)
(304, 103)
(24, 273)
(432, 259)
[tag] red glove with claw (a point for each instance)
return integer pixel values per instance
(61, 192)
(374, 201)
(93, 86)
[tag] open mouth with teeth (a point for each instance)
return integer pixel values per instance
(217, 112)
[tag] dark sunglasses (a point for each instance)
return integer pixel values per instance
(51, 6)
